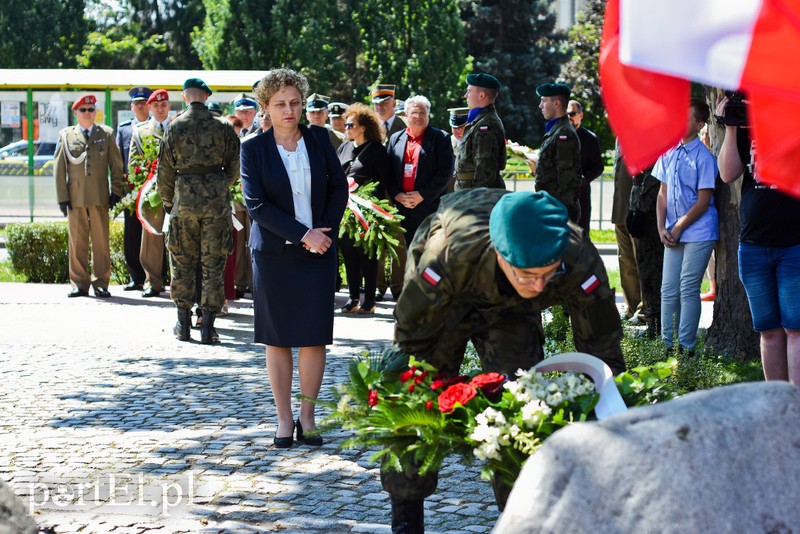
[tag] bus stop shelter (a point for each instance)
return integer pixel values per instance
(36, 103)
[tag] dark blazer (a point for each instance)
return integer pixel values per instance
(435, 170)
(268, 194)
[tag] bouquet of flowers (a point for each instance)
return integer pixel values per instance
(373, 224)
(142, 167)
(416, 416)
(237, 196)
(521, 155)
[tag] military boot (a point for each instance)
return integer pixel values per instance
(183, 327)
(208, 335)
(408, 517)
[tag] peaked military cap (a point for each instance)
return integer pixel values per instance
(317, 102)
(400, 108)
(214, 107)
(244, 101)
(529, 229)
(382, 92)
(140, 93)
(458, 117)
(553, 89)
(84, 100)
(481, 79)
(160, 95)
(337, 109)
(196, 83)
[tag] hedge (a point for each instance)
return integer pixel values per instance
(39, 251)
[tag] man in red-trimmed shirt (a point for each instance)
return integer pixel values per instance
(422, 165)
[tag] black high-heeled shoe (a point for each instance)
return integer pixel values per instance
(283, 443)
(314, 440)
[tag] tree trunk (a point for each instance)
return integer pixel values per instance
(731, 332)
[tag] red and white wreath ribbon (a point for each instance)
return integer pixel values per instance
(354, 201)
(141, 200)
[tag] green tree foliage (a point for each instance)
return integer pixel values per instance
(517, 41)
(41, 33)
(581, 72)
(141, 34)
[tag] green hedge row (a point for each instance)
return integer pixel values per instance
(39, 251)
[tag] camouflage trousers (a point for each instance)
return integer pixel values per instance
(506, 340)
(199, 243)
(650, 264)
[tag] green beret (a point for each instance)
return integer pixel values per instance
(483, 80)
(196, 83)
(214, 107)
(553, 89)
(529, 229)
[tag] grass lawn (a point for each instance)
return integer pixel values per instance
(8, 274)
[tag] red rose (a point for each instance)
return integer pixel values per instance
(406, 376)
(411, 388)
(429, 405)
(373, 397)
(421, 377)
(437, 383)
(137, 169)
(490, 383)
(456, 394)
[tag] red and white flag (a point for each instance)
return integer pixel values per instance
(743, 44)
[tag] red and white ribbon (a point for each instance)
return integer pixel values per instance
(141, 200)
(354, 201)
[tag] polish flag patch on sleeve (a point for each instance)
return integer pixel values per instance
(590, 284)
(562, 137)
(483, 129)
(431, 276)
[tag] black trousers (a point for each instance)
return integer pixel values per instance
(132, 244)
(585, 199)
(357, 265)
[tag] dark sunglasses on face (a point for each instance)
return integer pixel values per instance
(349, 125)
(572, 113)
(86, 110)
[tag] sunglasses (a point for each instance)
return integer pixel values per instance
(573, 113)
(349, 125)
(86, 110)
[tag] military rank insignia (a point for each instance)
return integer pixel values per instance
(590, 284)
(431, 276)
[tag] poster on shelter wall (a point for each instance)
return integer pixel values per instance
(52, 118)
(9, 115)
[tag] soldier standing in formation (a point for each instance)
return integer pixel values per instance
(151, 254)
(481, 268)
(558, 170)
(482, 154)
(132, 233)
(197, 164)
(85, 156)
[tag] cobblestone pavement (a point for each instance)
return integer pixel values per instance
(108, 424)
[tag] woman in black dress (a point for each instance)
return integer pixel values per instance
(296, 193)
(364, 160)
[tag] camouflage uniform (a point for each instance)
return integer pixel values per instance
(559, 168)
(649, 249)
(198, 162)
(454, 291)
(482, 154)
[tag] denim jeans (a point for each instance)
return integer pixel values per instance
(684, 266)
(771, 278)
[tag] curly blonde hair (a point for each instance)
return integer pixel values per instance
(277, 79)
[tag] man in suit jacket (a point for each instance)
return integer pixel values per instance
(151, 253)
(422, 165)
(132, 236)
(85, 156)
(384, 103)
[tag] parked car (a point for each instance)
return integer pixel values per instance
(14, 156)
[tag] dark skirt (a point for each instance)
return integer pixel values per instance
(293, 294)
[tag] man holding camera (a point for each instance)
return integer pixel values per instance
(769, 246)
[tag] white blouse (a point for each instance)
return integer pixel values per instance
(299, 170)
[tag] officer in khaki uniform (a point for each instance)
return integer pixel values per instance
(151, 252)
(558, 170)
(198, 162)
(85, 157)
(482, 154)
(482, 268)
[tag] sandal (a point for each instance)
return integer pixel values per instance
(350, 307)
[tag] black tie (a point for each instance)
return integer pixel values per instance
(244, 132)
(161, 127)
(386, 126)
(86, 134)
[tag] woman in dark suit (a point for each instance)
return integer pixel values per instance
(296, 193)
(364, 160)
(422, 165)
